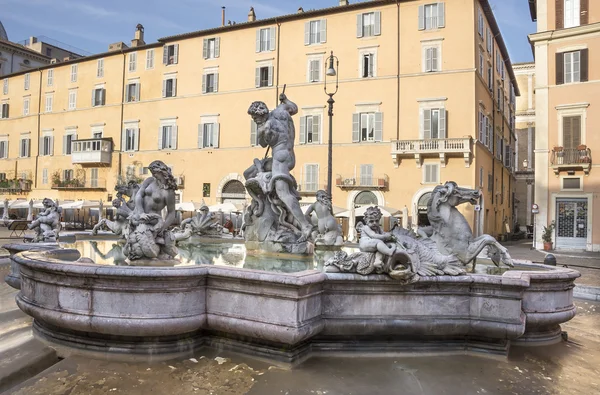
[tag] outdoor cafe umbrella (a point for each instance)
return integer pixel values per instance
(226, 208)
(80, 204)
(188, 206)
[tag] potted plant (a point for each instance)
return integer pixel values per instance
(547, 236)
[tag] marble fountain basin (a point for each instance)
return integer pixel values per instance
(160, 312)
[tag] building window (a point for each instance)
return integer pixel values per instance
(431, 16)
(5, 86)
(167, 137)
(171, 54)
(265, 39)
(131, 137)
(68, 175)
(315, 32)
(72, 99)
(49, 102)
(100, 68)
(169, 87)
(366, 175)
(490, 40)
(50, 78)
(368, 24)
(210, 82)
(132, 61)
(4, 112)
(206, 189)
(571, 183)
(3, 149)
(490, 79)
(47, 145)
(310, 129)
(481, 177)
(571, 133)
(49, 52)
(98, 97)
(149, 59)
(68, 143)
(572, 67)
(431, 173)
(44, 176)
(481, 62)
(208, 135)
(572, 13)
(264, 76)
(26, 101)
(26, 82)
(211, 48)
(368, 65)
(311, 177)
(253, 133)
(314, 70)
(132, 92)
(73, 73)
(434, 123)
(367, 126)
(432, 59)
(480, 22)
(94, 178)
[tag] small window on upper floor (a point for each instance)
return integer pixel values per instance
(50, 78)
(315, 32)
(368, 24)
(149, 59)
(74, 73)
(211, 48)
(432, 58)
(264, 76)
(26, 82)
(572, 67)
(4, 110)
(480, 22)
(132, 92)
(100, 68)
(49, 52)
(572, 13)
(170, 54)
(132, 62)
(431, 16)
(368, 65)
(210, 82)
(314, 70)
(431, 173)
(265, 39)
(98, 97)
(5, 86)
(169, 87)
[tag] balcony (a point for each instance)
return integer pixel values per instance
(92, 151)
(15, 187)
(80, 185)
(362, 182)
(571, 159)
(442, 148)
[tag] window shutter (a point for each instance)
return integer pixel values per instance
(359, 27)
(65, 144)
(434, 173)
(441, 17)
(93, 98)
(323, 31)
(377, 23)
(217, 47)
(164, 88)
(215, 132)
(272, 39)
(442, 123)
(355, 127)
(428, 53)
(160, 139)
(378, 126)
(203, 83)
(200, 135)
(567, 132)
(306, 33)
(584, 8)
(102, 94)
(28, 148)
(165, 54)
(175, 53)
(421, 17)
(560, 13)
(126, 94)
(174, 137)
(138, 87)
(316, 129)
(560, 68)
(174, 87)
(257, 40)
(257, 77)
(253, 132)
(481, 134)
(216, 82)
(205, 48)
(427, 124)
(136, 142)
(124, 141)
(41, 147)
(51, 145)
(270, 75)
(302, 130)
(583, 64)
(434, 59)
(371, 65)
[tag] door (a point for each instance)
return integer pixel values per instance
(571, 223)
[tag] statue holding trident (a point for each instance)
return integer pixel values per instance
(275, 215)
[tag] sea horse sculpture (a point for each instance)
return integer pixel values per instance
(124, 208)
(450, 230)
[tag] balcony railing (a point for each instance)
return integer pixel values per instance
(567, 159)
(14, 187)
(363, 181)
(433, 147)
(91, 151)
(75, 184)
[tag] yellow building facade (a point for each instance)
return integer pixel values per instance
(426, 95)
(567, 77)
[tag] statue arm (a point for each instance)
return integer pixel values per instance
(288, 105)
(309, 211)
(369, 232)
(170, 219)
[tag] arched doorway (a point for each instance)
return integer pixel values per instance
(422, 204)
(233, 192)
(365, 198)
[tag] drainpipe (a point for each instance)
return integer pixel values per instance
(278, 46)
(398, 74)
(39, 131)
(120, 165)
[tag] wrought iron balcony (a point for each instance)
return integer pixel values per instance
(363, 182)
(81, 185)
(571, 159)
(92, 151)
(442, 148)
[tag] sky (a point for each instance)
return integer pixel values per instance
(92, 25)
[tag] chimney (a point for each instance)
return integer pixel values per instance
(300, 10)
(251, 15)
(138, 38)
(222, 16)
(344, 2)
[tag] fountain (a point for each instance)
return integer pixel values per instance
(273, 297)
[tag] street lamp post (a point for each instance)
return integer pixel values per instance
(331, 72)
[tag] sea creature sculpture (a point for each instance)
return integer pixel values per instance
(47, 225)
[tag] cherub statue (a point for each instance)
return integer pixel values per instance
(329, 231)
(374, 239)
(47, 224)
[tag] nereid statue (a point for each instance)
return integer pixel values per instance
(202, 224)
(329, 231)
(47, 225)
(274, 221)
(149, 237)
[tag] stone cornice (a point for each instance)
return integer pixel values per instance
(564, 33)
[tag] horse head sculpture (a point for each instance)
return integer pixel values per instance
(454, 195)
